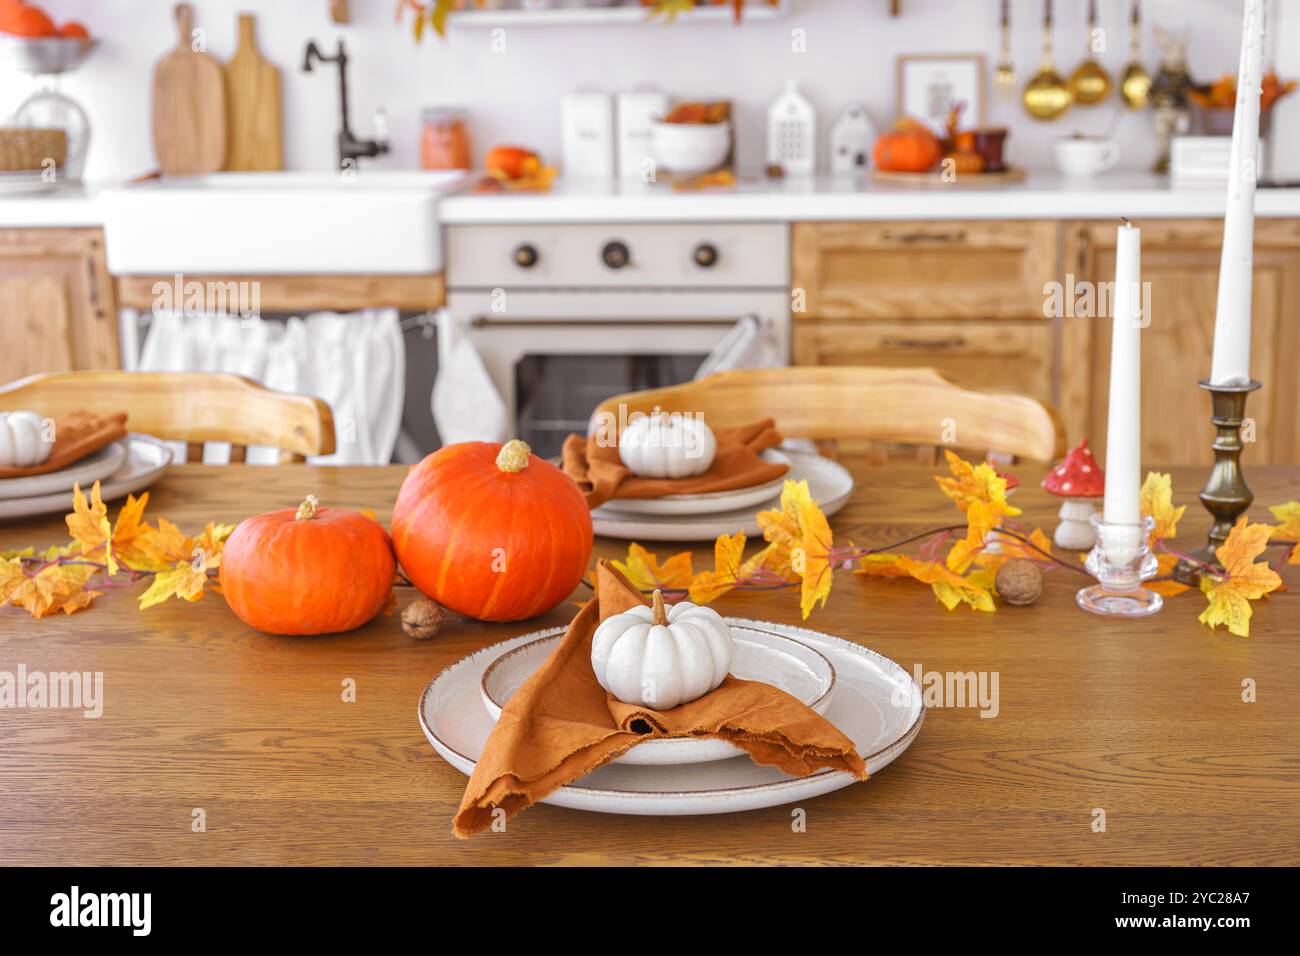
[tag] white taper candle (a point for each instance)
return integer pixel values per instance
(1231, 362)
(1123, 429)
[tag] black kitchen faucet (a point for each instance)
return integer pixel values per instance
(350, 147)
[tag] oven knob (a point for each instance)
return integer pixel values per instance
(526, 256)
(615, 255)
(706, 255)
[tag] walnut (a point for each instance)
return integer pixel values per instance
(1019, 582)
(422, 618)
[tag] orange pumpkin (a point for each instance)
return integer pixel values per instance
(909, 148)
(492, 531)
(308, 570)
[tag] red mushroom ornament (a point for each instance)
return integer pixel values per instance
(1078, 479)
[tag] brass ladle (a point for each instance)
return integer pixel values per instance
(1046, 96)
(1135, 84)
(1004, 74)
(1090, 83)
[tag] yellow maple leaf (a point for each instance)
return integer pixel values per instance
(981, 518)
(1244, 579)
(950, 588)
(1289, 529)
(165, 545)
(708, 586)
(1157, 501)
(183, 581)
(882, 564)
(971, 482)
(814, 566)
(645, 571)
(781, 525)
(89, 527)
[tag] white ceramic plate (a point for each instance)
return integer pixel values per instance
(711, 503)
(875, 701)
(799, 670)
(86, 472)
(146, 460)
(830, 482)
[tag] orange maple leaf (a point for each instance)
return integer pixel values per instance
(88, 525)
(1244, 580)
(950, 588)
(970, 482)
(1167, 562)
(53, 588)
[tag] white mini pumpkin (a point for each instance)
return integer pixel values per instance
(22, 440)
(661, 658)
(667, 446)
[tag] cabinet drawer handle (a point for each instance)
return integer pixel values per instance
(894, 342)
(958, 235)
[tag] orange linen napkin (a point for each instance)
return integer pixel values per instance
(601, 474)
(76, 435)
(562, 724)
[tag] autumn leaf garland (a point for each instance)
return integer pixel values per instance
(800, 550)
(69, 577)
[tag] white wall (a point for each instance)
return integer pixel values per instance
(512, 95)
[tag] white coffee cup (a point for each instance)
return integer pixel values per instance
(1082, 158)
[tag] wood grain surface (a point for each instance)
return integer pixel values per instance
(189, 105)
(255, 127)
(1141, 719)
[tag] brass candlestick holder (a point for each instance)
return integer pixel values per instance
(1226, 495)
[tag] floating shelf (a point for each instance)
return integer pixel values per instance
(598, 16)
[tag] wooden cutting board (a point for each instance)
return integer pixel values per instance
(189, 105)
(253, 106)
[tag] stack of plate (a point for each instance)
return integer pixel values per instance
(868, 697)
(704, 517)
(123, 467)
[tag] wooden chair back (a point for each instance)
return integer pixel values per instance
(911, 406)
(193, 407)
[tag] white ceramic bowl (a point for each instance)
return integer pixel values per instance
(690, 148)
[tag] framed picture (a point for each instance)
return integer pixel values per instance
(931, 84)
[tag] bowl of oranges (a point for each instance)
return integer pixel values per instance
(31, 42)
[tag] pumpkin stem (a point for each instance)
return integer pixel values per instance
(660, 613)
(513, 456)
(307, 510)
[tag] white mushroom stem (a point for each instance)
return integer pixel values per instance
(1075, 532)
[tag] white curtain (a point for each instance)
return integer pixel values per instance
(356, 362)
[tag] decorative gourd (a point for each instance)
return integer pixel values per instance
(909, 148)
(661, 658)
(311, 570)
(22, 440)
(667, 446)
(492, 531)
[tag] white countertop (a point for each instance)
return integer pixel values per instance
(1040, 196)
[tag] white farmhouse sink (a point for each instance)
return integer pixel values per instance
(277, 223)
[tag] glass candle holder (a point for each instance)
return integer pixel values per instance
(1120, 561)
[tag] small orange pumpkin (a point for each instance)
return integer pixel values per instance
(909, 148)
(309, 570)
(492, 531)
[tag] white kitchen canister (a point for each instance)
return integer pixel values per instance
(664, 445)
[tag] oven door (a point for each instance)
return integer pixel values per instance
(555, 356)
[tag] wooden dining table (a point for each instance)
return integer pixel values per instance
(1149, 741)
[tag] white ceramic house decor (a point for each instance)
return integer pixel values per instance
(662, 656)
(23, 442)
(1080, 481)
(667, 446)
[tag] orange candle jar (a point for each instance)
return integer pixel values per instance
(444, 140)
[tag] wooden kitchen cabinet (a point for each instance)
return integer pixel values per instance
(56, 302)
(1180, 260)
(995, 355)
(924, 270)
